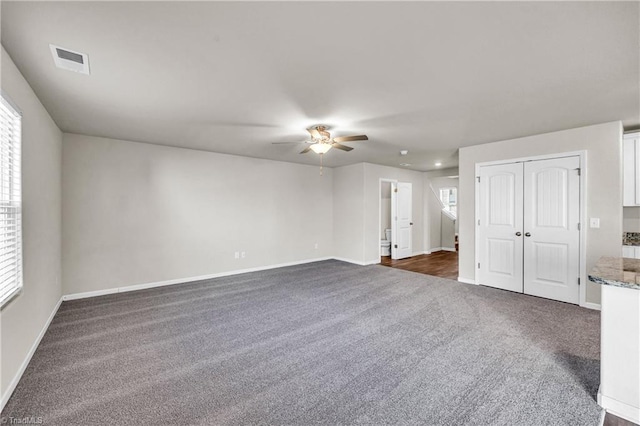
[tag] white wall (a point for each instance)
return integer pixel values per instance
(631, 219)
(603, 179)
(348, 207)
(372, 175)
(356, 199)
(385, 208)
(135, 213)
(23, 318)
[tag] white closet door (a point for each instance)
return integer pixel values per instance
(552, 236)
(500, 223)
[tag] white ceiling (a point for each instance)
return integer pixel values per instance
(428, 77)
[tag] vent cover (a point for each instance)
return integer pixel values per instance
(70, 60)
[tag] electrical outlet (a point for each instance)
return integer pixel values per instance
(237, 255)
(243, 254)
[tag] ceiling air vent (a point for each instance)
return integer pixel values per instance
(70, 60)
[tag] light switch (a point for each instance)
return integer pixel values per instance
(594, 222)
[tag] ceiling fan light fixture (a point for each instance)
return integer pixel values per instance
(320, 148)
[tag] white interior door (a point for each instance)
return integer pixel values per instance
(500, 226)
(402, 222)
(551, 225)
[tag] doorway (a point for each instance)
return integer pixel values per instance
(395, 213)
(528, 227)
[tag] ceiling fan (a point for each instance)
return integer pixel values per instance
(321, 140)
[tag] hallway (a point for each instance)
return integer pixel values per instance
(442, 264)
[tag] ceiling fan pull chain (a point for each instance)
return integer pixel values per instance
(321, 164)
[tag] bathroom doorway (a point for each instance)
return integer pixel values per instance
(384, 227)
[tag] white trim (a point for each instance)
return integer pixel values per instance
(426, 252)
(380, 180)
(618, 408)
(416, 253)
(584, 278)
(135, 287)
(590, 305)
(356, 262)
(27, 359)
(467, 281)
(582, 155)
(433, 249)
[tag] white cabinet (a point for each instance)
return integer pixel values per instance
(619, 390)
(632, 252)
(631, 169)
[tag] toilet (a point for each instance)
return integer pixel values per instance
(385, 245)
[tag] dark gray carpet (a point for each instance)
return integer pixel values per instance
(321, 343)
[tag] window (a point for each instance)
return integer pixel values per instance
(449, 199)
(10, 201)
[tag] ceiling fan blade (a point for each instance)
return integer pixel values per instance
(314, 133)
(283, 143)
(351, 138)
(342, 147)
(304, 151)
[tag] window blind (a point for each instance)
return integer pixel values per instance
(10, 201)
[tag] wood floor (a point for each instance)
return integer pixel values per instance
(611, 420)
(440, 264)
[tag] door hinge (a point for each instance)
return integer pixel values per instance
(395, 246)
(478, 265)
(478, 222)
(578, 280)
(578, 170)
(395, 189)
(478, 177)
(578, 226)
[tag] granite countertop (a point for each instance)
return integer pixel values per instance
(617, 271)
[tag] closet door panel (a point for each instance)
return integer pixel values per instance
(552, 237)
(500, 218)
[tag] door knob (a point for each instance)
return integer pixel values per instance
(518, 233)
(527, 234)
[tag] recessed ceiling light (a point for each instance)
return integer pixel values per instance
(404, 152)
(405, 164)
(438, 164)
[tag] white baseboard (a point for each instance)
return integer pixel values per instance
(590, 305)
(431, 250)
(25, 363)
(466, 280)
(357, 262)
(619, 408)
(135, 287)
